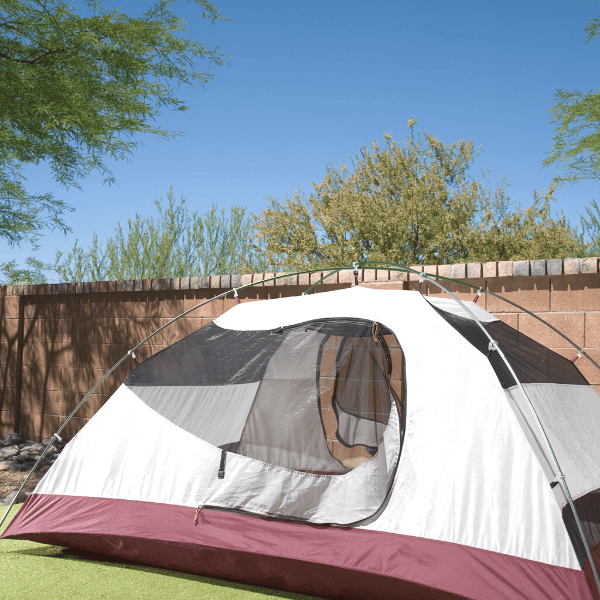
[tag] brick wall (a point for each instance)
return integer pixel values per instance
(57, 340)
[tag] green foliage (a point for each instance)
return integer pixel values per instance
(77, 89)
(15, 275)
(23, 216)
(576, 116)
(591, 228)
(507, 232)
(396, 202)
(413, 203)
(176, 244)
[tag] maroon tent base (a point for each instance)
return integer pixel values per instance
(330, 562)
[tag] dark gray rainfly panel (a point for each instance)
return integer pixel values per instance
(532, 362)
(312, 397)
(209, 356)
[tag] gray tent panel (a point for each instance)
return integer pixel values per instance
(216, 414)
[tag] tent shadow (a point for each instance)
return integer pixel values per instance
(74, 554)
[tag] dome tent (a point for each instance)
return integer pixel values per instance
(287, 452)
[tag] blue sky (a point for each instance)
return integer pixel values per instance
(309, 82)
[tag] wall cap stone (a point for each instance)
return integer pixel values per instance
(505, 268)
(474, 270)
(554, 266)
(589, 265)
(538, 268)
(521, 268)
(487, 270)
(572, 266)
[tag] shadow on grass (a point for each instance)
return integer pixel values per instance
(101, 559)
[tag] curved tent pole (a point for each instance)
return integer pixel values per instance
(581, 350)
(333, 272)
(403, 269)
(394, 267)
(131, 353)
(493, 345)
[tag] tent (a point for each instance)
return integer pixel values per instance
(351, 444)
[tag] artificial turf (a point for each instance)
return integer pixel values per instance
(30, 571)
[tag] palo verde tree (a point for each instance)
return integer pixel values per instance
(414, 202)
(576, 117)
(175, 244)
(576, 150)
(502, 230)
(590, 223)
(77, 89)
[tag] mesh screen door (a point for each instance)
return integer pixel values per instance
(315, 399)
(324, 400)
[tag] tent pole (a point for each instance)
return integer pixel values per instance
(560, 476)
(494, 346)
(545, 323)
(401, 268)
(392, 266)
(305, 293)
(56, 436)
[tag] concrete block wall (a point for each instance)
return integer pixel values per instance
(58, 340)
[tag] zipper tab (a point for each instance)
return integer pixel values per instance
(221, 474)
(197, 513)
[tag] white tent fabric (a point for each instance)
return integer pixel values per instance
(181, 469)
(470, 467)
(467, 473)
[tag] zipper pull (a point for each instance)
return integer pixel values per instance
(221, 473)
(375, 332)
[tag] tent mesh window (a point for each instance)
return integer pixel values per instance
(532, 362)
(314, 397)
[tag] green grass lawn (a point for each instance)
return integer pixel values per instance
(30, 571)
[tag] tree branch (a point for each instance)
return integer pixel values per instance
(25, 61)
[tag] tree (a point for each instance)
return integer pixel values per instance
(591, 228)
(77, 89)
(414, 203)
(176, 244)
(504, 231)
(576, 116)
(33, 273)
